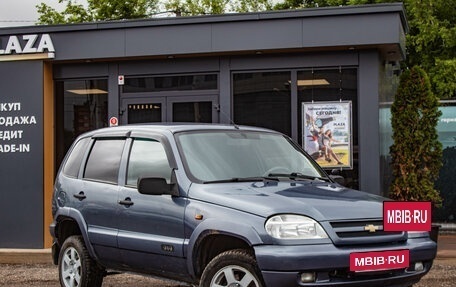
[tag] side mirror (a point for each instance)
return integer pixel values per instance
(156, 186)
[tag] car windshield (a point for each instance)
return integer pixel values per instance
(211, 156)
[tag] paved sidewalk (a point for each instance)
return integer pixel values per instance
(446, 246)
(446, 249)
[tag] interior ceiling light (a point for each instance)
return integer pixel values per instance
(314, 82)
(88, 91)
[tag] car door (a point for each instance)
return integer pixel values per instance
(98, 196)
(151, 228)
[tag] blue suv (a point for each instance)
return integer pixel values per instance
(216, 205)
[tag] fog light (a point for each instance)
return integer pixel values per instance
(419, 266)
(307, 277)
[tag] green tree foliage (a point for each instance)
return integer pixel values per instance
(416, 152)
(196, 7)
(73, 13)
(252, 5)
(431, 42)
(211, 7)
(97, 10)
(298, 4)
(101, 10)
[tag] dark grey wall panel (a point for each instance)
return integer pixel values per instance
(81, 70)
(369, 130)
(21, 171)
(351, 30)
(89, 44)
(256, 35)
(168, 40)
(306, 29)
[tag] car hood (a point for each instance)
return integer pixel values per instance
(320, 200)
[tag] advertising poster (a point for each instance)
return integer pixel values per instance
(327, 133)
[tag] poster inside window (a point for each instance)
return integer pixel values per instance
(327, 133)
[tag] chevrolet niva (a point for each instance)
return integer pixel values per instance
(220, 205)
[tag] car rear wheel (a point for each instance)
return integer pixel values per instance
(76, 267)
(233, 268)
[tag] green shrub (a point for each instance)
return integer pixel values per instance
(416, 153)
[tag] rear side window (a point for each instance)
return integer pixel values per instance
(74, 160)
(104, 160)
(147, 159)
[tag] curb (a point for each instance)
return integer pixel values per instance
(25, 256)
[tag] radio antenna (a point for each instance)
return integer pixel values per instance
(218, 109)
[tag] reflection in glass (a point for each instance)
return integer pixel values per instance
(196, 112)
(144, 113)
(446, 182)
(81, 106)
(263, 99)
(332, 85)
(171, 83)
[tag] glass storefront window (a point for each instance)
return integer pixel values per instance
(81, 106)
(446, 129)
(332, 85)
(446, 182)
(171, 83)
(263, 99)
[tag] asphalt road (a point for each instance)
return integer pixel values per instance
(443, 274)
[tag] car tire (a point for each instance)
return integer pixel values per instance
(232, 268)
(76, 267)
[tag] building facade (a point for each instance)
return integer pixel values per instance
(262, 69)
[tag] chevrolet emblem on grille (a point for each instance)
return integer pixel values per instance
(370, 228)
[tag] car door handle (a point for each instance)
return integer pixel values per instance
(127, 202)
(80, 195)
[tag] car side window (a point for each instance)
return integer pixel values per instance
(73, 163)
(147, 159)
(104, 160)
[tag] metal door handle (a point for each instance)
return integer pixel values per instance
(80, 195)
(127, 202)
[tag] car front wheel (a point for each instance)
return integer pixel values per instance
(232, 268)
(76, 267)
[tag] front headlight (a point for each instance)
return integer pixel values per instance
(290, 226)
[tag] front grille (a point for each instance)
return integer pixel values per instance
(363, 232)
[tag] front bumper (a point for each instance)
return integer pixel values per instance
(281, 266)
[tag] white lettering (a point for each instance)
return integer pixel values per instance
(13, 148)
(8, 107)
(392, 259)
(22, 120)
(359, 261)
(420, 216)
(45, 43)
(30, 43)
(399, 216)
(11, 135)
(13, 45)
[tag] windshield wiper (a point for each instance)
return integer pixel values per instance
(243, 179)
(297, 175)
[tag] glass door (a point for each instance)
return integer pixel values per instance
(193, 109)
(143, 110)
(196, 109)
